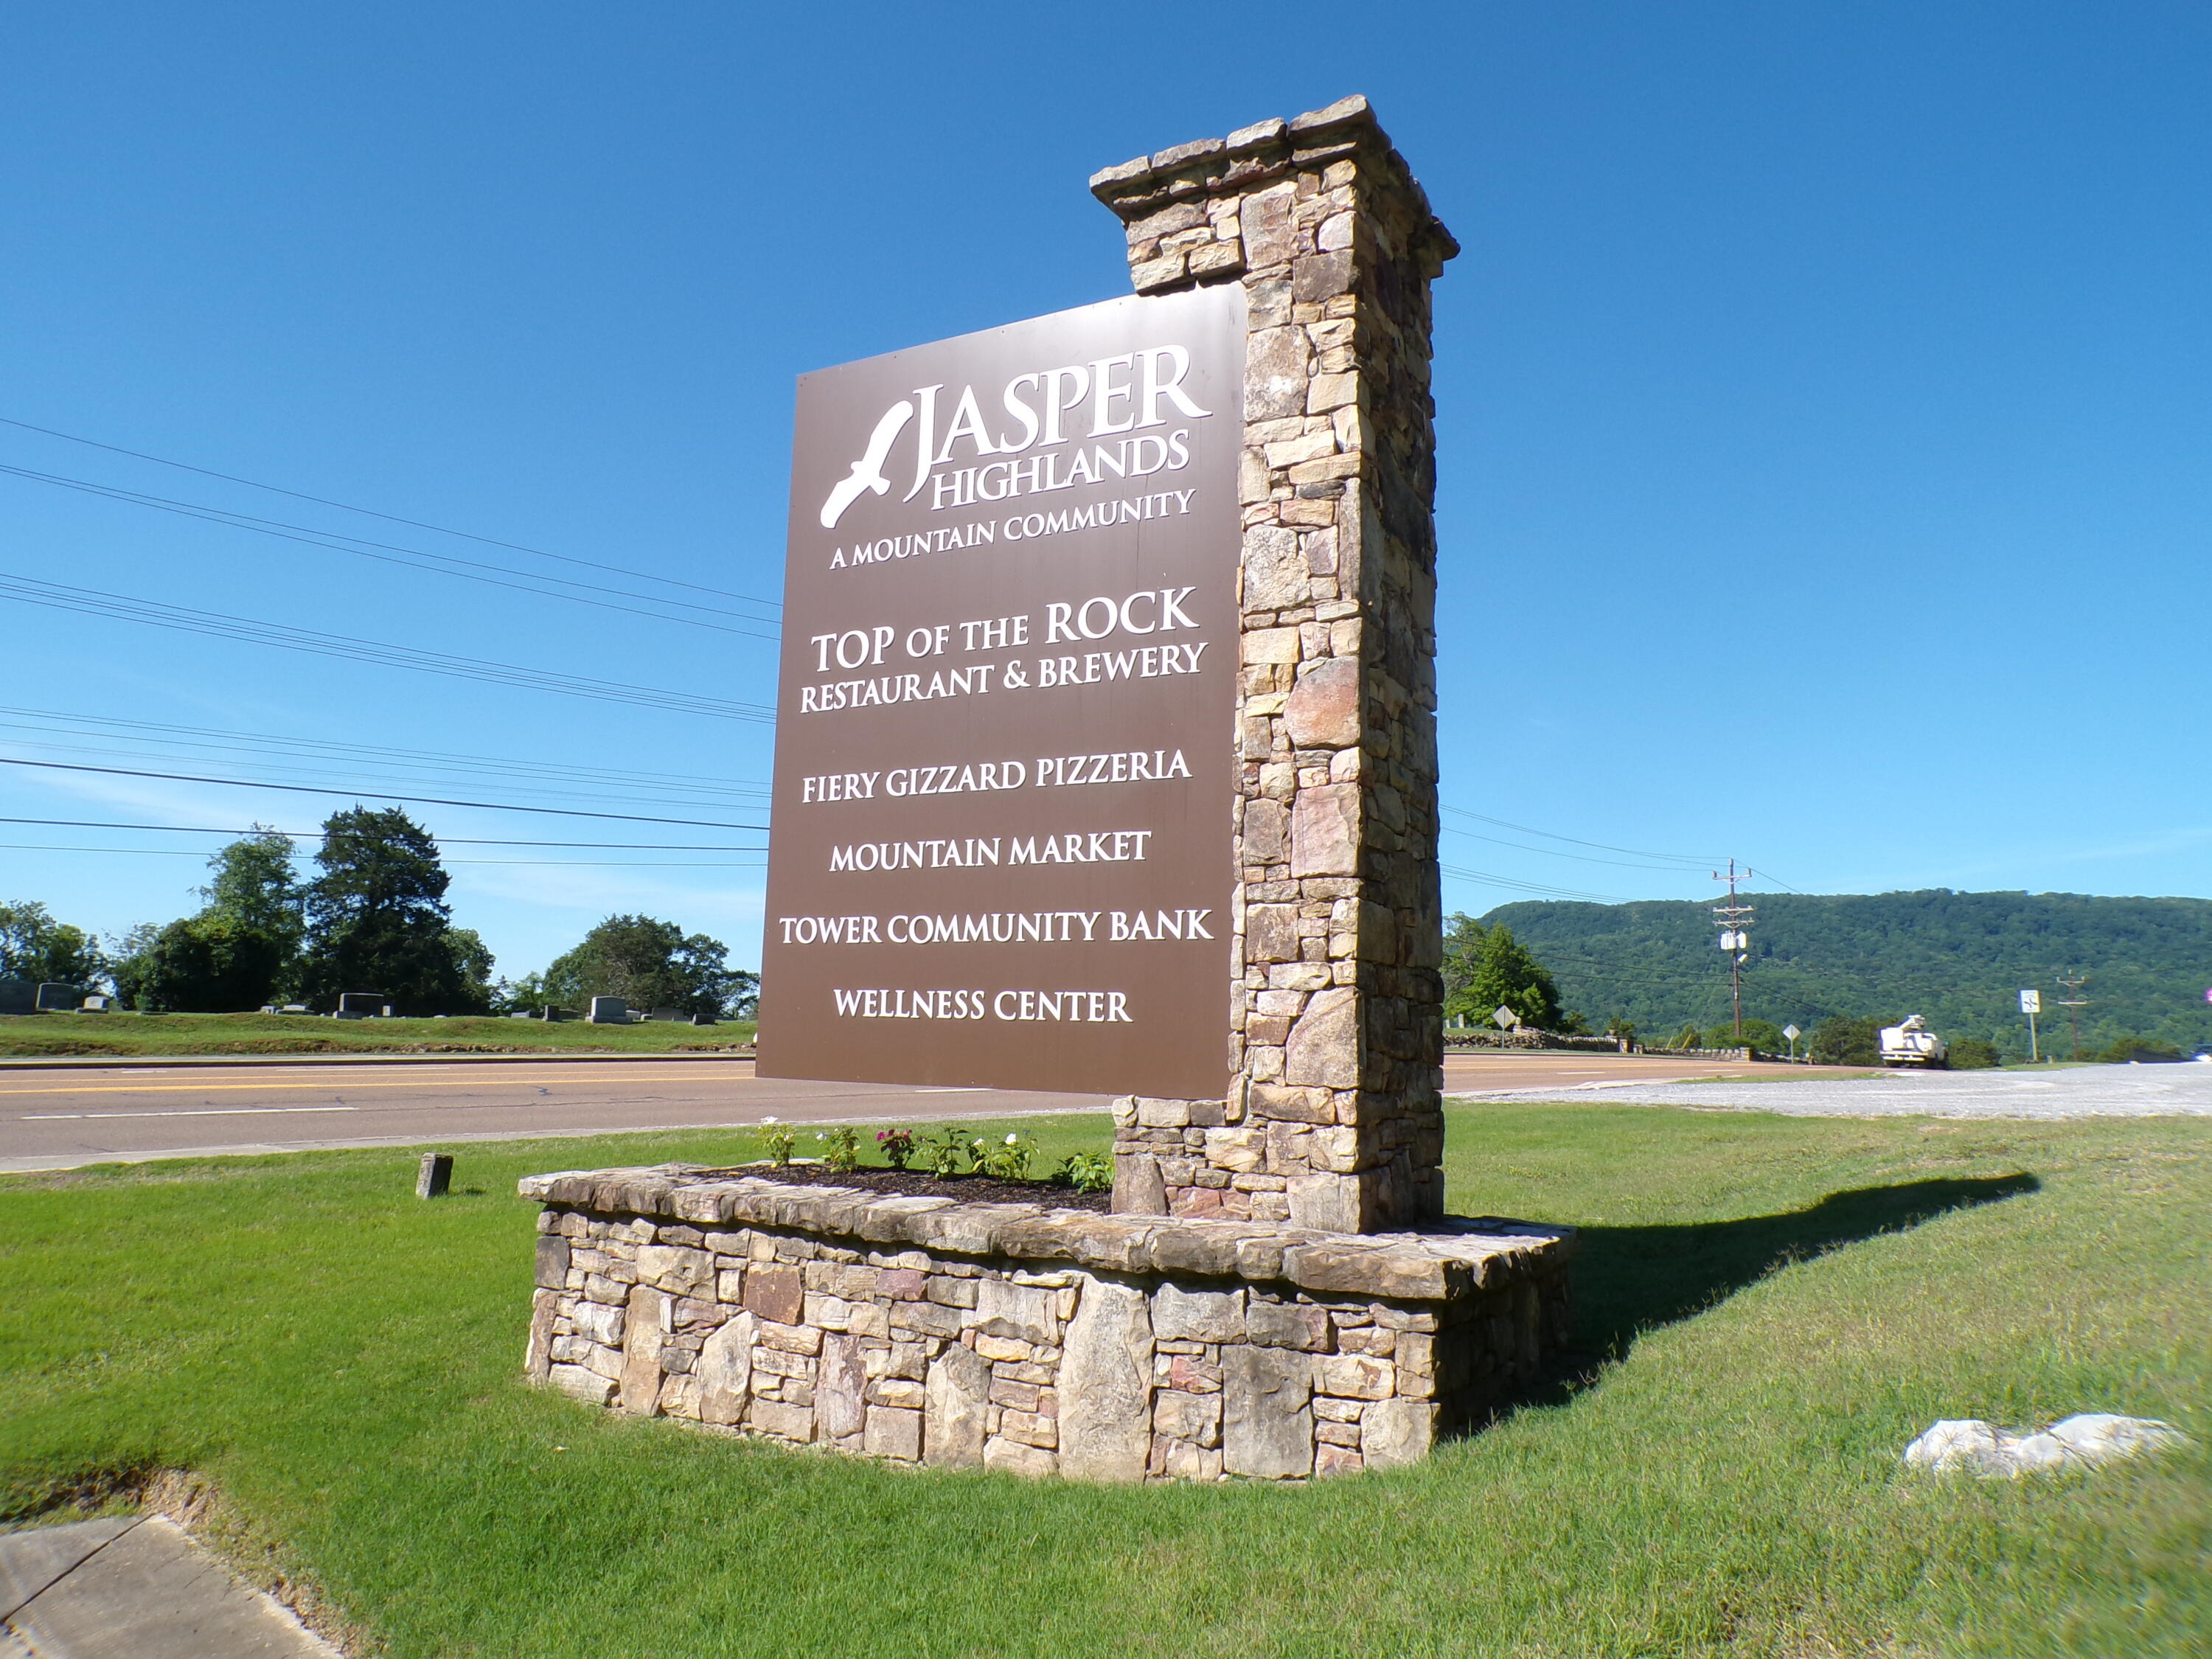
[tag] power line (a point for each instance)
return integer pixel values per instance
(1537, 888)
(217, 624)
(310, 835)
(346, 778)
(413, 523)
(336, 543)
(420, 800)
(412, 759)
(1526, 829)
(524, 864)
(1552, 853)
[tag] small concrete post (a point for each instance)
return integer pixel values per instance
(1333, 1117)
(436, 1175)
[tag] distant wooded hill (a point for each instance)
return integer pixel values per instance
(1959, 959)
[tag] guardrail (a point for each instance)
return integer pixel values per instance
(1470, 1037)
(1468, 1040)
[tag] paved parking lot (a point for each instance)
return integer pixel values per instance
(2066, 1092)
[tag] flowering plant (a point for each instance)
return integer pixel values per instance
(897, 1146)
(777, 1139)
(840, 1148)
(1007, 1159)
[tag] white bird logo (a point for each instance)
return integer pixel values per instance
(867, 472)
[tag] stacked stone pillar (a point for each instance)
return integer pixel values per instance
(1333, 1118)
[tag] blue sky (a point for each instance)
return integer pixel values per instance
(1825, 446)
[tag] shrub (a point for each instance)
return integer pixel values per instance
(1008, 1159)
(1087, 1172)
(897, 1144)
(1840, 1042)
(1763, 1035)
(840, 1148)
(943, 1153)
(1973, 1055)
(777, 1139)
(2130, 1047)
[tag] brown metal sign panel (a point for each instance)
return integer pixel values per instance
(1005, 758)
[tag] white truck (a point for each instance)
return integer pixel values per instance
(1912, 1043)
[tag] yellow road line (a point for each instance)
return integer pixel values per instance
(198, 1111)
(302, 1083)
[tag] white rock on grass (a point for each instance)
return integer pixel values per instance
(2087, 1441)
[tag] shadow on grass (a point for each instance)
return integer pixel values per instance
(1631, 1279)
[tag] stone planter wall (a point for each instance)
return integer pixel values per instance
(924, 1330)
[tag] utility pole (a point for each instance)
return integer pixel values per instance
(2073, 1000)
(1735, 941)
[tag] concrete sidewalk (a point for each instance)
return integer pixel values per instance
(2074, 1091)
(135, 1587)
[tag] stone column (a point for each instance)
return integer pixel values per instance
(1333, 1115)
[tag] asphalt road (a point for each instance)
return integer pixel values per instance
(94, 1115)
(64, 1116)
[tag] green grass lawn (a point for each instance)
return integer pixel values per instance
(1785, 1302)
(25, 1035)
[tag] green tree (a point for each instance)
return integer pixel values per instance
(376, 919)
(1841, 1041)
(210, 964)
(1973, 1055)
(126, 960)
(650, 963)
(1485, 969)
(1462, 946)
(1959, 959)
(474, 959)
(253, 884)
(518, 996)
(34, 946)
(1763, 1035)
(2127, 1048)
(240, 951)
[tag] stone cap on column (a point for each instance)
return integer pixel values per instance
(1251, 156)
(1459, 1256)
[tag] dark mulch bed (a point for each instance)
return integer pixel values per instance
(907, 1183)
